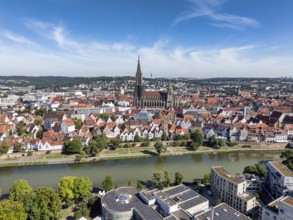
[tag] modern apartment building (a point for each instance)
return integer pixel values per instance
(279, 179)
(280, 209)
(231, 190)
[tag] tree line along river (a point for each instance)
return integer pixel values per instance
(124, 170)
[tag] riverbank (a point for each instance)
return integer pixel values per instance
(129, 153)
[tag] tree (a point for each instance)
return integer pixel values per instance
(157, 178)
(102, 141)
(44, 203)
(212, 142)
(108, 183)
(72, 187)
(218, 201)
(83, 187)
(77, 123)
(137, 138)
(222, 143)
(288, 155)
(20, 128)
(139, 186)
(38, 121)
(104, 116)
(4, 147)
(73, 146)
(129, 183)
(178, 178)
(39, 133)
(164, 136)
(66, 187)
(115, 143)
(160, 147)
(261, 169)
(197, 136)
(194, 146)
(12, 210)
(206, 178)
(41, 112)
(18, 189)
(167, 180)
(17, 147)
(250, 170)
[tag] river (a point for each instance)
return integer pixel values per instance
(191, 166)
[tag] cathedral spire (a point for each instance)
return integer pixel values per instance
(138, 73)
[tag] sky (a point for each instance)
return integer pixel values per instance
(174, 38)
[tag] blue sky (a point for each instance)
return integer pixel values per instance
(186, 38)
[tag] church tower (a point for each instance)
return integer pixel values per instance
(138, 90)
(170, 98)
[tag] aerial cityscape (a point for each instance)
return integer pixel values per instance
(146, 110)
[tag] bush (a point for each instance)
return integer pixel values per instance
(48, 151)
(246, 146)
(183, 143)
(29, 153)
(231, 144)
(145, 144)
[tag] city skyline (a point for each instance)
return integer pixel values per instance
(176, 38)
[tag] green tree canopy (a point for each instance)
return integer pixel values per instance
(18, 189)
(213, 142)
(66, 187)
(197, 136)
(108, 183)
(12, 210)
(17, 147)
(158, 179)
(160, 147)
(73, 147)
(77, 123)
(83, 187)
(206, 178)
(4, 147)
(102, 141)
(288, 154)
(178, 178)
(167, 180)
(43, 203)
(72, 187)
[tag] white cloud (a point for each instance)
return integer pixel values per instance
(210, 8)
(95, 58)
(18, 38)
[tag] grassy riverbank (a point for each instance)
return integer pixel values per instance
(23, 164)
(135, 152)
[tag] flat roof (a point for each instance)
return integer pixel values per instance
(182, 197)
(222, 212)
(147, 213)
(193, 202)
(288, 200)
(161, 195)
(247, 196)
(147, 195)
(222, 172)
(169, 202)
(282, 168)
(175, 190)
(180, 214)
(274, 206)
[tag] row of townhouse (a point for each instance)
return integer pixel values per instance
(242, 132)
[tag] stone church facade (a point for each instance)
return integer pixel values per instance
(159, 99)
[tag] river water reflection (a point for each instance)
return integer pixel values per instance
(191, 166)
